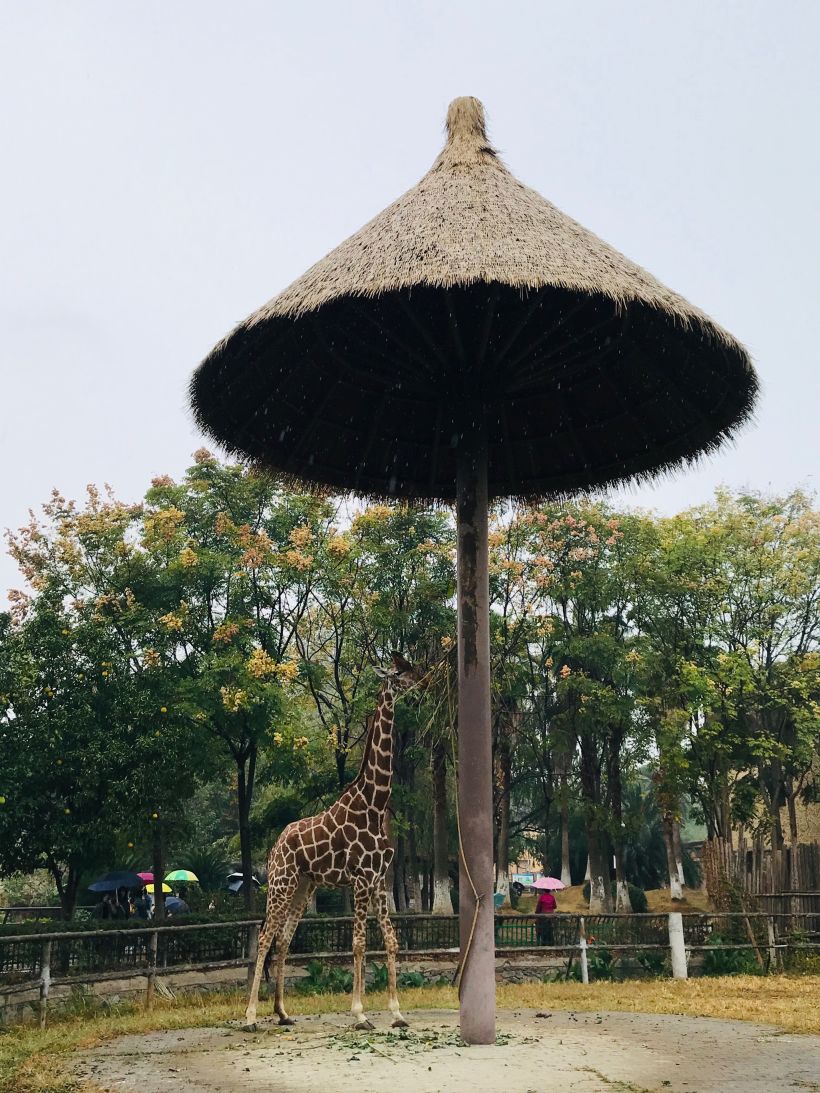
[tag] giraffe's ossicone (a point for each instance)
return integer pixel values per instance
(347, 844)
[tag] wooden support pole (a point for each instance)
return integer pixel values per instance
(45, 980)
(475, 790)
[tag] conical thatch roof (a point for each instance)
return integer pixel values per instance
(472, 297)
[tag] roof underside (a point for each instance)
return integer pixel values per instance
(372, 394)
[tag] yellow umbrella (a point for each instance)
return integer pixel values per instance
(165, 887)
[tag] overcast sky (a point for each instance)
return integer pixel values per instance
(167, 167)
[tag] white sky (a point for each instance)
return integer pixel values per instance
(167, 167)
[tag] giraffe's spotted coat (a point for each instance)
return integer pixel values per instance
(346, 844)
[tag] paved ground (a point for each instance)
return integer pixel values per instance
(581, 1053)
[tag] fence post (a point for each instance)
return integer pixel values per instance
(772, 944)
(153, 938)
(582, 945)
(677, 946)
(45, 980)
(253, 950)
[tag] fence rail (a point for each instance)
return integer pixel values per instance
(51, 958)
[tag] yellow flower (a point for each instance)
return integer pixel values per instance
(226, 631)
(188, 558)
(233, 698)
(260, 665)
(301, 536)
(277, 738)
(298, 560)
(338, 546)
(163, 709)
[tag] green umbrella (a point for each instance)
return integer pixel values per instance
(183, 875)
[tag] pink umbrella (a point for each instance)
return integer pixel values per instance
(147, 876)
(549, 882)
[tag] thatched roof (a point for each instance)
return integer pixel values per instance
(472, 296)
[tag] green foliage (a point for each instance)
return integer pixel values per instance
(325, 979)
(728, 961)
(208, 656)
(653, 962)
(601, 963)
(404, 979)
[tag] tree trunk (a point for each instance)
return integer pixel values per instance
(622, 900)
(600, 895)
(399, 878)
(675, 891)
(502, 859)
(566, 873)
(677, 847)
(66, 887)
(245, 773)
(158, 865)
(413, 866)
(794, 873)
(425, 889)
(442, 903)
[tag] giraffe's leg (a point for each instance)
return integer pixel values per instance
(280, 896)
(391, 946)
(297, 909)
(361, 901)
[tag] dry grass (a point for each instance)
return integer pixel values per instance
(571, 901)
(30, 1059)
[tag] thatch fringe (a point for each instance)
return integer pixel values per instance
(471, 290)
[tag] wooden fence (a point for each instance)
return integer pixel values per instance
(43, 960)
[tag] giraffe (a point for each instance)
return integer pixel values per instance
(345, 844)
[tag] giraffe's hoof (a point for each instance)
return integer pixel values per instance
(400, 1023)
(250, 1027)
(286, 1021)
(364, 1024)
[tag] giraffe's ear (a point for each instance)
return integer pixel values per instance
(400, 663)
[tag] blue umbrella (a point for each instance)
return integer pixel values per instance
(110, 882)
(177, 906)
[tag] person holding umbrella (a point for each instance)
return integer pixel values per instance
(546, 904)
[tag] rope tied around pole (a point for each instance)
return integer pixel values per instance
(462, 964)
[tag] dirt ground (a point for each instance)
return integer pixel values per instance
(535, 1053)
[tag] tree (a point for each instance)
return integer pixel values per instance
(222, 579)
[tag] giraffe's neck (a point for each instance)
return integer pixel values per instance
(376, 773)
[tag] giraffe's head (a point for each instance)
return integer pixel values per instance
(401, 675)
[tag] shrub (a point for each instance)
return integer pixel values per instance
(653, 962)
(325, 979)
(718, 961)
